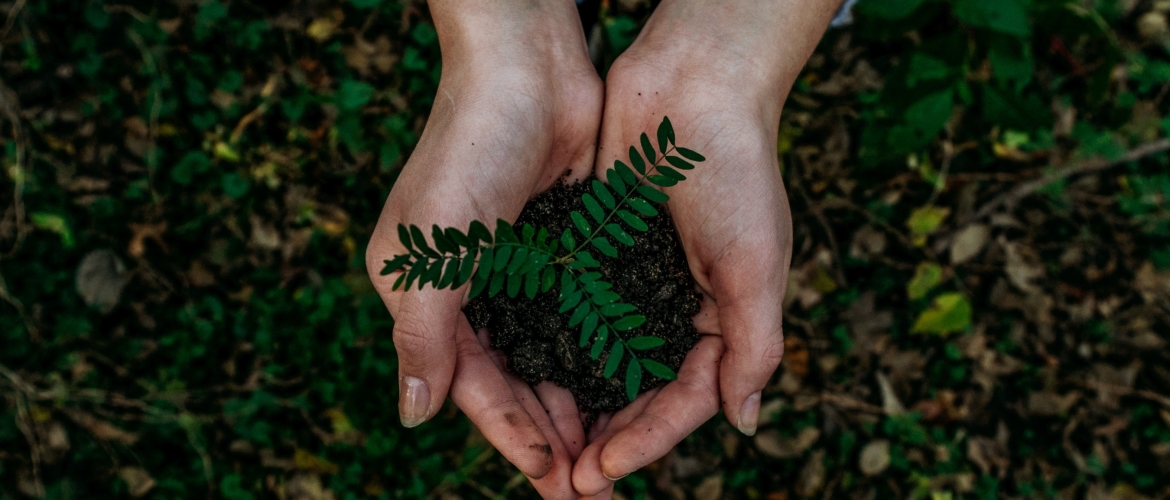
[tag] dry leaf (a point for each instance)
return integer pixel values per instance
(969, 242)
(307, 487)
(138, 481)
(710, 489)
(100, 279)
(875, 457)
(890, 402)
(771, 443)
(1021, 267)
(812, 476)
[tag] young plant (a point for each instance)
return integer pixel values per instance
(531, 259)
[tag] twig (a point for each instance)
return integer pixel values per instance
(10, 109)
(12, 13)
(22, 420)
(819, 214)
(1022, 191)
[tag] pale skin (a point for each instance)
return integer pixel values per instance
(519, 106)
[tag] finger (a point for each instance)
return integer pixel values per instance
(587, 476)
(606, 494)
(681, 407)
(562, 410)
(482, 392)
(707, 320)
(750, 309)
(558, 482)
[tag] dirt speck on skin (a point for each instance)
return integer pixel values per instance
(537, 340)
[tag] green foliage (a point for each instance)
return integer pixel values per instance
(531, 261)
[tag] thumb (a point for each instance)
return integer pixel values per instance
(425, 322)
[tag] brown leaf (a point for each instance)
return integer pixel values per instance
(711, 488)
(890, 402)
(143, 232)
(771, 443)
(1051, 404)
(1022, 266)
(307, 487)
(812, 477)
(138, 481)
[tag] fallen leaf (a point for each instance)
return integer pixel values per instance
(771, 443)
(307, 487)
(969, 242)
(1022, 267)
(925, 220)
(926, 277)
(948, 313)
(812, 476)
(711, 488)
(138, 481)
(307, 461)
(100, 279)
(891, 405)
(875, 457)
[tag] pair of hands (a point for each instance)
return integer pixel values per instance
(519, 107)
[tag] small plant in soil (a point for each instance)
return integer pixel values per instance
(523, 262)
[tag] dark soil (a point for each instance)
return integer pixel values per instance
(539, 345)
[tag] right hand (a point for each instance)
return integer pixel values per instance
(517, 109)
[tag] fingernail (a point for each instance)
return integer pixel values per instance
(749, 414)
(614, 478)
(415, 401)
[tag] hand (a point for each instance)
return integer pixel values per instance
(721, 73)
(518, 106)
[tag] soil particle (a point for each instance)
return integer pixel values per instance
(539, 345)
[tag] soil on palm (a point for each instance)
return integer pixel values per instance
(539, 343)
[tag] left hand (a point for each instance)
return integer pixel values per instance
(722, 78)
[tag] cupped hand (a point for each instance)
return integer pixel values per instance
(517, 109)
(722, 79)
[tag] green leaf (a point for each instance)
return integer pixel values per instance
(598, 346)
(420, 242)
(648, 149)
(398, 282)
(593, 207)
(637, 161)
(617, 309)
(658, 369)
(615, 181)
(690, 155)
(404, 237)
(434, 272)
(570, 301)
(633, 380)
(632, 220)
(615, 359)
(603, 194)
(587, 258)
(505, 233)
(890, 9)
(531, 284)
(486, 263)
(527, 233)
(679, 163)
(458, 238)
(497, 284)
(620, 234)
(587, 328)
(395, 264)
(594, 287)
(548, 280)
(478, 284)
(353, 94)
(629, 323)
(672, 173)
(579, 314)
(644, 342)
(442, 243)
(502, 258)
(581, 223)
(605, 246)
(627, 175)
(652, 194)
(605, 298)
(567, 240)
(53, 223)
(1005, 16)
(925, 220)
(948, 313)
(515, 281)
(665, 134)
(466, 267)
(416, 270)
(235, 186)
(926, 276)
(642, 206)
(449, 274)
(479, 232)
(661, 180)
(519, 259)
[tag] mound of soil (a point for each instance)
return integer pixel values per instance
(537, 340)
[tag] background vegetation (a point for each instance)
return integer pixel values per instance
(979, 306)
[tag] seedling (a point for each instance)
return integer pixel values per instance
(531, 259)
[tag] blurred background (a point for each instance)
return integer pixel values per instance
(979, 304)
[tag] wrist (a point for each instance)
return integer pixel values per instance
(511, 35)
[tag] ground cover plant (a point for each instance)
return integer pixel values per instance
(978, 306)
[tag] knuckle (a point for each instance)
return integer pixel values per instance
(411, 341)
